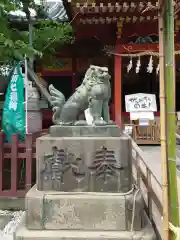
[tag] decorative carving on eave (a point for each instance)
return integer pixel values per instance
(90, 12)
(177, 26)
(144, 40)
(114, 19)
(120, 24)
(117, 7)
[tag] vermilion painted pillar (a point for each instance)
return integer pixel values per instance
(118, 89)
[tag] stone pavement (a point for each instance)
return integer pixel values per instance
(153, 159)
(9, 221)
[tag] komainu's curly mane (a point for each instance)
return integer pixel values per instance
(94, 75)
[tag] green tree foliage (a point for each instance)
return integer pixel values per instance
(47, 35)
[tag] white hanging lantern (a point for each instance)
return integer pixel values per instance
(130, 65)
(138, 65)
(150, 65)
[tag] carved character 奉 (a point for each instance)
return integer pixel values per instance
(94, 92)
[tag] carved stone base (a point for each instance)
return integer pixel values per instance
(83, 211)
(84, 164)
(85, 131)
(84, 216)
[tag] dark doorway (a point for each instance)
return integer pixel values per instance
(141, 82)
(63, 84)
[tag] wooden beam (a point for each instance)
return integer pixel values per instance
(111, 20)
(93, 12)
(74, 2)
(130, 48)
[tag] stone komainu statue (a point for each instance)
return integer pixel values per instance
(94, 92)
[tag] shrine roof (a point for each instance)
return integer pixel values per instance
(55, 11)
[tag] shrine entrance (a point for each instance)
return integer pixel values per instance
(141, 75)
(137, 79)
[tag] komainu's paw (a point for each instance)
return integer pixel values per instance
(110, 122)
(99, 122)
(80, 123)
(65, 123)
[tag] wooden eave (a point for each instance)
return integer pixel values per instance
(104, 12)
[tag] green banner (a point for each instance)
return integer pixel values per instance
(13, 117)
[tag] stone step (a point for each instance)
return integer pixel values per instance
(83, 210)
(25, 234)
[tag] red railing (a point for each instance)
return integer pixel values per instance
(17, 165)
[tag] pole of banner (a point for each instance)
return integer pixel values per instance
(26, 93)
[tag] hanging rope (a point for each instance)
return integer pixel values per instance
(135, 55)
(175, 230)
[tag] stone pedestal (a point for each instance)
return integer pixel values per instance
(84, 188)
(85, 131)
(90, 164)
(83, 211)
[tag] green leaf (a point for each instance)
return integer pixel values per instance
(9, 43)
(47, 34)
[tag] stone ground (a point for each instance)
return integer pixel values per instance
(152, 155)
(9, 221)
(153, 159)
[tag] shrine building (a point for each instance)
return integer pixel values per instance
(122, 36)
